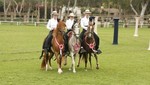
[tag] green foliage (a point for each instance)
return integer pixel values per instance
(1, 3)
(123, 64)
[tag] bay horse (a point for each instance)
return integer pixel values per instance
(57, 48)
(74, 44)
(89, 46)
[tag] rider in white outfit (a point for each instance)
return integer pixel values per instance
(70, 21)
(84, 24)
(69, 24)
(51, 25)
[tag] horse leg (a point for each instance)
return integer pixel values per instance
(50, 55)
(46, 61)
(65, 60)
(97, 65)
(80, 55)
(73, 62)
(90, 60)
(58, 63)
(86, 60)
(43, 64)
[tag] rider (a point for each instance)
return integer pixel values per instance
(69, 24)
(51, 25)
(84, 24)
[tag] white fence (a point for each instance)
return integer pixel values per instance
(24, 23)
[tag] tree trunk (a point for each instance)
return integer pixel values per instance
(144, 6)
(68, 7)
(21, 7)
(16, 5)
(55, 5)
(6, 9)
(45, 16)
(38, 15)
(133, 8)
(136, 26)
(75, 4)
(51, 7)
(140, 19)
(62, 12)
(28, 14)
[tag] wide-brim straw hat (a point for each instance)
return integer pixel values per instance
(55, 13)
(71, 15)
(87, 12)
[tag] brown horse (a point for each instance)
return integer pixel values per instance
(89, 46)
(57, 47)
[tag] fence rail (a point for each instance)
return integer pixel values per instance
(25, 23)
(102, 24)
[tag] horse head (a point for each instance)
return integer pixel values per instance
(90, 29)
(89, 35)
(76, 29)
(61, 26)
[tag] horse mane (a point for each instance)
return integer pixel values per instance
(60, 26)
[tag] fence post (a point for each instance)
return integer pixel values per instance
(149, 45)
(115, 38)
(96, 23)
(35, 24)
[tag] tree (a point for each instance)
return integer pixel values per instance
(45, 16)
(139, 14)
(137, 9)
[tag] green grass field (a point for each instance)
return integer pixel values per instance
(127, 63)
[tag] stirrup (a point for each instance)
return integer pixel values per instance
(99, 51)
(82, 50)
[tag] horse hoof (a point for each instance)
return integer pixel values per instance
(65, 64)
(85, 69)
(69, 69)
(60, 71)
(74, 71)
(97, 67)
(46, 67)
(50, 68)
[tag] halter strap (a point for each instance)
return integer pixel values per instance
(61, 46)
(91, 45)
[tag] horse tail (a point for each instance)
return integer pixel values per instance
(41, 54)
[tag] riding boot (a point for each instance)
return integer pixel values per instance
(97, 44)
(47, 42)
(82, 50)
(66, 44)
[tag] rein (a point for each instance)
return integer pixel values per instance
(76, 46)
(61, 46)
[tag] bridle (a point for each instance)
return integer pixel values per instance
(93, 44)
(61, 46)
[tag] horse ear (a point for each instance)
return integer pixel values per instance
(70, 34)
(58, 20)
(63, 19)
(91, 18)
(93, 23)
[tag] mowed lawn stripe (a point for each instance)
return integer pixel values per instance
(124, 64)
